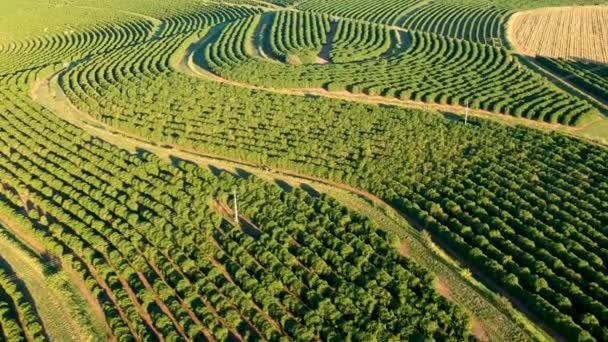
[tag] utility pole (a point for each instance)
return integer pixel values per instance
(236, 209)
(466, 113)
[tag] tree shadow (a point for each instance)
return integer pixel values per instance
(312, 192)
(180, 162)
(218, 172)
(243, 173)
(51, 262)
(143, 154)
(283, 185)
(451, 116)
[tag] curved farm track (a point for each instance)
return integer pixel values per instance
(186, 64)
(494, 323)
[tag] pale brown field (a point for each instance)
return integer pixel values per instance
(566, 32)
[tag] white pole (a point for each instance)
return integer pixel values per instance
(236, 209)
(466, 113)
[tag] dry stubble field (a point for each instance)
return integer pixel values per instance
(579, 33)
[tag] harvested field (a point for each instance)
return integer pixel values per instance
(579, 33)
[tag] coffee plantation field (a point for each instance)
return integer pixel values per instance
(298, 170)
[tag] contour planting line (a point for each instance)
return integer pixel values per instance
(48, 93)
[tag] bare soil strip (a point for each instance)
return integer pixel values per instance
(48, 302)
(404, 249)
(259, 39)
(325, 54)
(74, 277)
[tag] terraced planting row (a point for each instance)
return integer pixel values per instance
(55, 18)
(34, 52)
(129, 223)
(156, 242)
(194, 17)
(358, 41)
(314, 38)
(382, 12)
(294, 45)
(592, 78)
(462, 20)
(526, 209)
(433, 69)
(120, 28)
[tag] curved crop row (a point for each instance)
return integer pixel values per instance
(233, 46)
(193, 18)
(18, 319)
(357, 41)
(433, 69)
(40, 51)
(381, 12)
(473, 22)
(298, 34)
(592, 78)
(151, 244)
(124, 30)
(525, 208)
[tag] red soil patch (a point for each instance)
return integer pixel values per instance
(404, 249)
(443, 289)
(478, 331)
